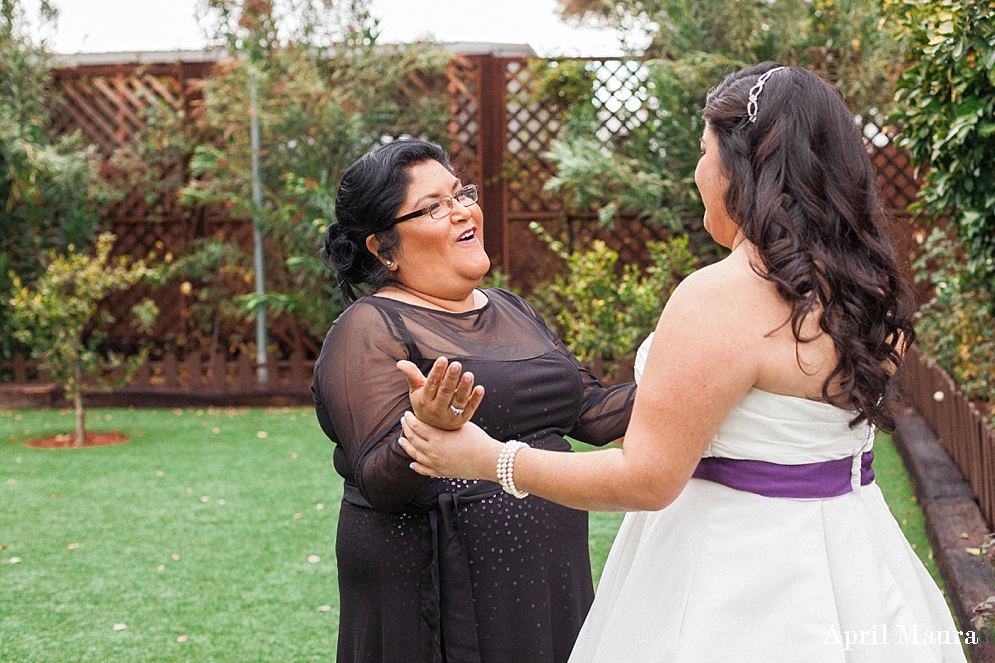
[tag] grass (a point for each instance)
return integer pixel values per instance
(199, 527)
(197, 536)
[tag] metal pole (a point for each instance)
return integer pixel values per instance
(257, 233)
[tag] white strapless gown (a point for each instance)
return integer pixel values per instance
(727, 575)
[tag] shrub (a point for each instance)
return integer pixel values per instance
(947, 96)
(601, 312)
(955, 326)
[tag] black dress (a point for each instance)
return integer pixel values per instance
(443, 570)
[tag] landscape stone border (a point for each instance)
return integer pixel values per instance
(953, 521)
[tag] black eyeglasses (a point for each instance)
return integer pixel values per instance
(441, 208)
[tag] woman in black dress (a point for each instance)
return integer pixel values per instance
(441, 570)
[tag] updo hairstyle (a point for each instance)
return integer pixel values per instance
(802, 189)
(369, 196)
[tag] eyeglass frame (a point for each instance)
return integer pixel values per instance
(467, 191)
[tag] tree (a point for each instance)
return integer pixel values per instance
(48, 193)
(57, 317)
(328, 92)
(646, 169)
(947, 107)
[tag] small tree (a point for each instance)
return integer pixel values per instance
(57, 316)
(327, 93)
(48, 193)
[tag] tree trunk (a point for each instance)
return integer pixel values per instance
(80, 414)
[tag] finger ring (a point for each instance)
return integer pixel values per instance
(458, 411)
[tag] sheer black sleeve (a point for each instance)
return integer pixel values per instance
(359, 397)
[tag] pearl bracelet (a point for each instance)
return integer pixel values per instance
(506, 467)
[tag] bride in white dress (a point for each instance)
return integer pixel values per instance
(757, 532)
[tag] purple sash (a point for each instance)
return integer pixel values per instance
(829, 478)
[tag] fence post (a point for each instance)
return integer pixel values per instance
(194, 373)
(20, 369)
(170, 370)
(493, 140)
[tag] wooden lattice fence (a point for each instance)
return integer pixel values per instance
(501, 132)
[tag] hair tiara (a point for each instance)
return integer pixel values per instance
(758, 87)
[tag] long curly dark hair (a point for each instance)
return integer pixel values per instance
(801, 188)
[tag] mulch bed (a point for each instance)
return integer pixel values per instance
(67, 440)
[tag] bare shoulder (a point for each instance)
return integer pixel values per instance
(724, 291)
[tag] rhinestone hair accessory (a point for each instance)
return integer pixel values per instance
(758, 87)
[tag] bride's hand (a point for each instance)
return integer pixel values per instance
(467, 453)
(444, 399)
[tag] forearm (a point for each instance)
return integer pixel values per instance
(384, 476)
(603, 480)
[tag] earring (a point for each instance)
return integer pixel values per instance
(389, 263)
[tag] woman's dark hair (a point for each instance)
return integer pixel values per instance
(371, 192)
(801, 188)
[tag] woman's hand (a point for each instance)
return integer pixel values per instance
(444, 399)
(467, 453)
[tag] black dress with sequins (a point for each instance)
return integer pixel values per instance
(451, 571)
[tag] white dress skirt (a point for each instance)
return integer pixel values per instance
(726, 574)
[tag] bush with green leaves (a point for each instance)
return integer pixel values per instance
(58, 316)
(602, 311)
(648, 172)
(947, 109)
(49, 197)
(955, 326)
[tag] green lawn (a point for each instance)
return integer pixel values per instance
(210, 536)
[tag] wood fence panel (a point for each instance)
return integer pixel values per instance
(960, 425)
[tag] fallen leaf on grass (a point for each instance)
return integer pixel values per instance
(181, 638)
(15, 560)
(324, 608)
(973, 551)
(11, 482)
(120, 627)
(262, 434)
(73, 546)
(314, 559)
(320, 507)
(176, 558)
(161, 567)
(298, 516)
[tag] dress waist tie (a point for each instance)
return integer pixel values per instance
(830, 478)
(446, 586)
